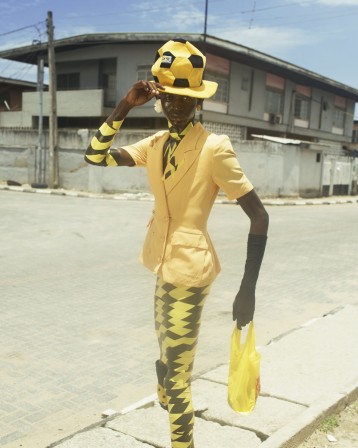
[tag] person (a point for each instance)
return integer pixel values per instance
(186, 167)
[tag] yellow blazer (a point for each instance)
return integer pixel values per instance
(177, 246)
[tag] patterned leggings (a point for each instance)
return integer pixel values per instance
(177, 322)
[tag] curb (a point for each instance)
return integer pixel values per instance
(141, 404)
(143, 196)
(295, 433)
(290, 435)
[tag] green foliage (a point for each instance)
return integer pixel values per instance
(329, 423)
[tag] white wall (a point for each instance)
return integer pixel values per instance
(310, 173)
(11, 119)
(70, 103)
(273, 168)
(263, 164)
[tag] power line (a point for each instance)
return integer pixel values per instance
(309, 18)
(21, 74)
(284, 18)
(255, 10)
(252, 14)
(23, 28)
(281, 5)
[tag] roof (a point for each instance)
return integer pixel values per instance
(224, 48)
(289, 141)
(17, 82)
(284, 141)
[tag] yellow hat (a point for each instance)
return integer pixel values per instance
(179, 66)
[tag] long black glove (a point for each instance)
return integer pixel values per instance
(244, 303)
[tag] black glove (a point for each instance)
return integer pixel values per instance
(244, 303)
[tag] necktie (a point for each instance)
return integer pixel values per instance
(169, 150)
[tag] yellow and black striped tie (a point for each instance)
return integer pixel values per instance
(170, 147)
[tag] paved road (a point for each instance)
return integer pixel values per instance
(76, 307)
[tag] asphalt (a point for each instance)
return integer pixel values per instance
(306, 374)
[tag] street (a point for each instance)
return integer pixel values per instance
(76, 317)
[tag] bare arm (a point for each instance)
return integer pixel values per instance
(99, 152)
(254, 209)
(244, 304)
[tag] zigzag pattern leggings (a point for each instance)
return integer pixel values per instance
(177, 323)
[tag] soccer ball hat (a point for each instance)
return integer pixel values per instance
(179, 66)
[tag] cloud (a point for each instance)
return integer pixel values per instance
(190, 17)
(330, 2)
(337, 2)
(75, 30)
(15, 43)
(8, 8)
(179, 17)
(269, 40)
(13, 7)
(17, 70)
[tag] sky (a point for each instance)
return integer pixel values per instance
(318, 35)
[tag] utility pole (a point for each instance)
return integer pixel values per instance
(40, 162)
(201, 115)
(53, 148)
(206, 23)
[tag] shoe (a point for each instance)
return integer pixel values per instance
(161, 372)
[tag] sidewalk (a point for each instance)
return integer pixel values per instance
(306, 374)
(143, 196)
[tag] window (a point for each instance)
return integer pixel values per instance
(273, 102)
(144, 72)
(275, 86)
(245, 84)
(68, 81)
(109, 86)
(107, 80)
(5, 102)
(302, 108)
(339, 113)
(355, 136)
(302, 103)
(222, 92)
(338, 118)
(218, 70)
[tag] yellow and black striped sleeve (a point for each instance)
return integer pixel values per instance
(99, 150)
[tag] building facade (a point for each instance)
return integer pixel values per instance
(11, 100)
(271, 109)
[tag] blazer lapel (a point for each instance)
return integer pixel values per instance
(185, 155)
(155, 167)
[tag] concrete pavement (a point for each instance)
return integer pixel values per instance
(70, 328)
(306, 375)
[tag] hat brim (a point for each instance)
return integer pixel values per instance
(206, 90)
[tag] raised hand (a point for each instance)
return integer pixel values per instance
(141, 92)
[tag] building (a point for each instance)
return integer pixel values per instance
(11, 99)
(289, 125)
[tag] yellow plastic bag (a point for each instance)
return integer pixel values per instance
(244, 372)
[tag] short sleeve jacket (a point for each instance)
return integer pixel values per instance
(177, 246)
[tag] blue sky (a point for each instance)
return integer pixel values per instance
(318, 35)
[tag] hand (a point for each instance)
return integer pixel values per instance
(244, 306)
(141, 92)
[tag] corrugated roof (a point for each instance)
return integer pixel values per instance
(289, 141)
(284, 141)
